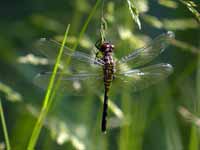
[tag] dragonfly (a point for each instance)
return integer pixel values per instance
(106, 68)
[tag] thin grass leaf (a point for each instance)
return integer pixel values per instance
(10, 94)
(168, 3)
(75, 46)
(185, 46)
(194, 134)
(153, 21)
(103, 29)
(3, 122)
(180, 24)
(194, 139)
(192, 8)
(134, 13)
(198, 87)
(67, 62)
(44, 111)
(86, 23)
(142, 6)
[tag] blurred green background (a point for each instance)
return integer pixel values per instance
(162, 117)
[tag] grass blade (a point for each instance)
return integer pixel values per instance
(194, 139)
(86, 23)
(134, 13)
(194, 135)
(57, 84)
(44, 111)
(192, 8)
(4, 127)
(50, 97)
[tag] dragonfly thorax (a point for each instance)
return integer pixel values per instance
(107, 48)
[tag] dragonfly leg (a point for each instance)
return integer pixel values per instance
(98, 44)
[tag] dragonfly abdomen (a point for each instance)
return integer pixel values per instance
(108, 74)
(108, 78)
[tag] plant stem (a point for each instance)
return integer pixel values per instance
(44, 111)
(4, 127)
(57, 84)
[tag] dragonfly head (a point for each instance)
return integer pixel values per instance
(107, 47)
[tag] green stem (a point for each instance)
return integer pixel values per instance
(86, 23)
(44, 111)
(51, 94)
(4, 127)
(57, 85)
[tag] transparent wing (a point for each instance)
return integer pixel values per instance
(144, 77)
(145, 54)
(70, 82)
(82, 71)
(49, 48)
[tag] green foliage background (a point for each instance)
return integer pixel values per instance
(162, 117)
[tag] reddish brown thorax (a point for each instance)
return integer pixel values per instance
(107, 47)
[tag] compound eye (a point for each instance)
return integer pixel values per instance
(104, 47)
